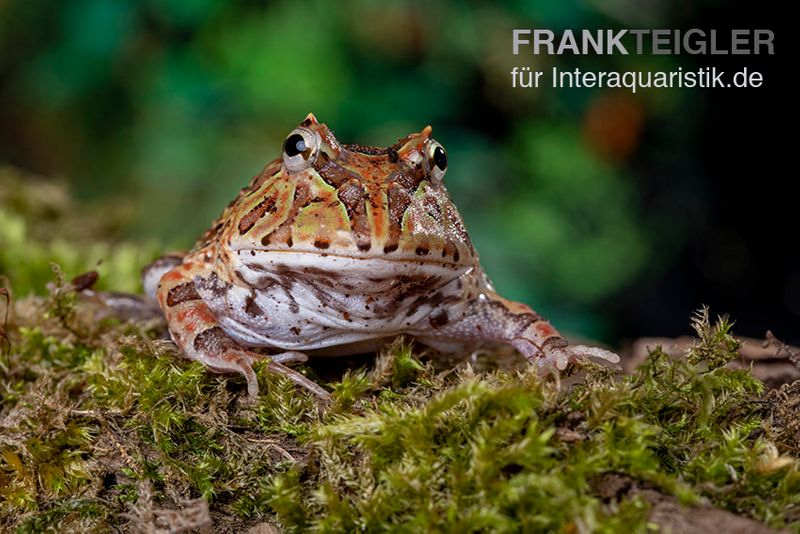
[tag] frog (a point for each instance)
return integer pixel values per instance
(337, 249)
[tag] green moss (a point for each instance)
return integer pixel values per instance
(75, 514)
(510, 451)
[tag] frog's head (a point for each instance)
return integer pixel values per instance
(326, 197)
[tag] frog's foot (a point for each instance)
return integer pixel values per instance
(195, 330)
(277, 364)
(491, 318)
(220, 353)
(289, 357)
(542, 345)
(245, 358)
(558, 352)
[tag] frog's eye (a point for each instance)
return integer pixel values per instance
(437, 159)
(300, 149)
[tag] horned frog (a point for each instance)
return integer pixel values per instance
(335, 249)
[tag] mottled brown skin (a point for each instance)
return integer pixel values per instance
(340, 247)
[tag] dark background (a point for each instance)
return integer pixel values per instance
(614, 214)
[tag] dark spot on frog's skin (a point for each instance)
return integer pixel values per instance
(252, 252)
(306, 122)
(293, 307)
(422, 251)
(408, 286)
(347, 317)
(433, 301)
(182, 293)
(251, 308)
(265, 240)
(364, 247)
(322, 244)
(264, 282)
(256, 267)
(295, 330)
(439, 319)
(388, 249)
(554, 342)
(392, 154)
(289, 242)
(455, 255)
(412, 309)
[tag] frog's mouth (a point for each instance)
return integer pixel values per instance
(254, 263)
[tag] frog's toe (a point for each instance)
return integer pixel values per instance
(245, 367)
(278, 363)
(243, 360)
(557, 352)
(289, 357)
(582, 351)
(560, 357)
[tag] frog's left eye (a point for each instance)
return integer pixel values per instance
(437, 159)
(300, 149)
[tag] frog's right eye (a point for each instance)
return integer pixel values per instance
(300, 149)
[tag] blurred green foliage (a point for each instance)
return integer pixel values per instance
(41, 225)
(174, 105)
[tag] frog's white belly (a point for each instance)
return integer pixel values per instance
(306, 301)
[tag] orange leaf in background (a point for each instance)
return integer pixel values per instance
(612, 126)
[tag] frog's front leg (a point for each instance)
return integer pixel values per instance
(489, 317)
(196, 331)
